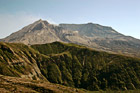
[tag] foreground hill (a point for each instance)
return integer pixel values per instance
(19, 71)
(78, 66)
(91, 35)
(70, 65)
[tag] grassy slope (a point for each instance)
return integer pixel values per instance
(19, 60)
(71, 65)
(78, 66)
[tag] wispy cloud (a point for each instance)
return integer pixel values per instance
(10, 23)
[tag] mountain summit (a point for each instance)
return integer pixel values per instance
(41, 32)
(92, 30)
(36, 33)
(92, 35)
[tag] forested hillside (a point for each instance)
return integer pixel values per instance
(71, 65)
(81, 67)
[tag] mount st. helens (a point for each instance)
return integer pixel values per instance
(67, 63)
(91, 35)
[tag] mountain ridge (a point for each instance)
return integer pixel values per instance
(91, 35)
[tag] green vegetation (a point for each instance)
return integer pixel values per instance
(81, 67)
(16, 59)
(71, 65)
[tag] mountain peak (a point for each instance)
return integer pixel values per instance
(39, 24)
(41, 21)
(90, 23)
(38, 21)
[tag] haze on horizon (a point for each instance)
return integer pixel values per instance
(122, 15)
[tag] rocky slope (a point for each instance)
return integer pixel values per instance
(92, 30)
(42, 32)
(106, 38)
(38, 32)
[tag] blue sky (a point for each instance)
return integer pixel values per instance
(122, 15)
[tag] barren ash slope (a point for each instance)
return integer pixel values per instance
(91, 35)
(41, 32)
(106, 38)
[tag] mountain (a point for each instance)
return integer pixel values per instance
(106, 38)
(38, 32)
(92, 30)
(66, 64)
(91, 35)
(42, 32)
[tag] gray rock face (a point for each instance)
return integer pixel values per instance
(91, 35)
(92, 30)
(42, 32)
(106, 38)
(36, 33)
